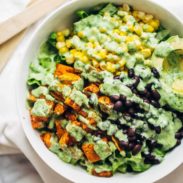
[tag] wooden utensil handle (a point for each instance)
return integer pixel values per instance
(16, 24)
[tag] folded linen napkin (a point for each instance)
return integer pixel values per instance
(12, 137)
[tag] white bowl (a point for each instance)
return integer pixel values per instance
(59, 19)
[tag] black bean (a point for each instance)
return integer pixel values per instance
(155, 161)
(124, 144)
(151, 126)
(131, 132)
(178, 142)
(146, 100)
(144, 92)
(118, 105)
(155, 94)
(131, 111)
(128, 103)
(132, 139)
(149, 86)
(115, 97)
(178, 136)
(158, 129)
(123, 98)
(136, 149)
(137, 81)
(131, 73)
(155, 103)
(131, 146)
(155, 72)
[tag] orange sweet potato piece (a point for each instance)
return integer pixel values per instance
(38, 118)
(102, 174)
(64, 139)
(46, 139)
(37, 124)
(89, 152)
(104, 100)
(92, 88)
(83, 113)
(91, 121)
(61, 69)
(71, 104)
(116, 143)
(31, 98)
(59, 130)
(70, 116)
(58, 96)
(68, 78)
(59, 109)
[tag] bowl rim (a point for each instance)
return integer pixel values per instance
(30, 33)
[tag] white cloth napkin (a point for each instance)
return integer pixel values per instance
(12, 137)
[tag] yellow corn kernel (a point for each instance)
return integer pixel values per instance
(63, 50)
(141, 15)
(131, 38)
(124, 47)
(118, 73)
(102, 29)
(154, 23)
(102, 54)
(68, 43)
(122, 33)
(73, 51)
(148, 28)
(138, 30)
(60, 45)
(147, 18)
(110, 67)
(177, 86)
(89, 45)
(66, 32)
(84, 59)
(146, 52)
(117, 31)
(135, 14)
(70, 59)
(122, 62)
(59, 34)
(81, 34)
(126, 7)
(102, 65)
(95, 63)
(61, 38)
(95, 44)
(147, 62)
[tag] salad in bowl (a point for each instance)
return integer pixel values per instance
(107, 93)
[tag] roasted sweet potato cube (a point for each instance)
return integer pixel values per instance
(58, 96)
(64, 139)
(83, 113)
(92, 88)
(102, 174)
(37, 124)
(46, 139)
(59, 109)
(68, 78)
(70, 116)
(39, 118)
(116, 143)
(31, 98)
(59, 130)
(89, 152)
(71, 104)
(104, 100)
(61, 69)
